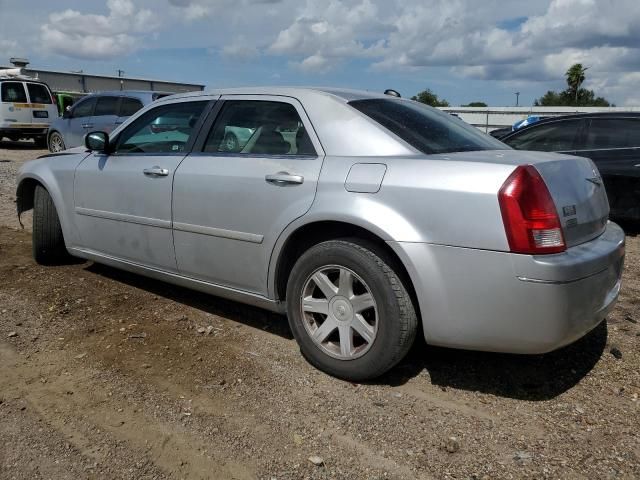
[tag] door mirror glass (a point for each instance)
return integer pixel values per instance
(97, 141)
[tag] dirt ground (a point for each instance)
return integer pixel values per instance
(105, 374)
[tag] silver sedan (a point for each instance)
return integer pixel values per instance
(361, 216)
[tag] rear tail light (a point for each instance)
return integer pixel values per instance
(530, 218)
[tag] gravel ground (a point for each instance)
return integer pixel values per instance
(105, 374)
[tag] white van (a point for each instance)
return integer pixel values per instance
(26, 109)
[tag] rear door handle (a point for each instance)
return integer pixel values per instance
(156, 172)
(284, 178)
(87, 125)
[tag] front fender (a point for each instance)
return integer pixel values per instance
(55, 173)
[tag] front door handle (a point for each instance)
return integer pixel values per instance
(284, 178)
(156, 172)
(87, 125)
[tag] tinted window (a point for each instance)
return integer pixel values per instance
(259, 128)
(613, 133)
(424, 128)
(13, 92)
(553, 137)
(129, 106)
(164, 129)
(84, 108)
(106, 106)
(38, 93)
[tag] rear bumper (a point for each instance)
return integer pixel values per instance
(24, 131)
(503, 302)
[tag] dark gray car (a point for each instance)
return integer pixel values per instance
(102, 111)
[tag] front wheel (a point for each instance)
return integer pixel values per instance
(47, 239)
(349, 310)
(56, 142)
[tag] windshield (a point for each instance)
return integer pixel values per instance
(425, 128)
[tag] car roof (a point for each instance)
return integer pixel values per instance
(343, 94)
(120, 93)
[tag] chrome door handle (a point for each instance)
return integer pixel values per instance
(87, 125)
(283, 178)
(156, 172)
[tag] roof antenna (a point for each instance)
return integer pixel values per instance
(392, 93)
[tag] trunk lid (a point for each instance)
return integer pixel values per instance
(573, 182)
(579, 195)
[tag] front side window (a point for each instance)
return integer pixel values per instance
(13, 92)
(106, 106)
(164, 129)
(425, 128)
(613, 133)
(129, 106)
(84, 108)
(557, 136)
(38, 93)
(259, 127)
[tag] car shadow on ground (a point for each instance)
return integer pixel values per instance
(238, 312)
(525, 377)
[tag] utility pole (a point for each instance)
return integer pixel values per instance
(120, 73)
(517, 99)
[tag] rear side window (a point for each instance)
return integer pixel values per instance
(13, 92)
(613, 133)
(129, 106)
(424, 128)
(38, 93)
(84, 108)
(259, 128)
(558, 136)
(106, 106)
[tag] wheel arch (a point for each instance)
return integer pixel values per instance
(25, 198)
(307, 235)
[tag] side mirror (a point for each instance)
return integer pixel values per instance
(97, 141)
(67, 112)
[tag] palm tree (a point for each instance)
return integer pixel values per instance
(575, 77)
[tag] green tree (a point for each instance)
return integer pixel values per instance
(430, 98)
(475, 104)
(575, 77)
(574, 95)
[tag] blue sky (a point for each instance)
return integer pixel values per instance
(464, 50)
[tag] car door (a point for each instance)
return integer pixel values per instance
(231, 200)
(559, 136)
(123, 199)
(15, 106)
(78, 122)
(613, 143)
(105, 113)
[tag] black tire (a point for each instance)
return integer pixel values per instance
(47, 240)
(40, 142)
(397, 320)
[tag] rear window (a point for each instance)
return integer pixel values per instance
(38, 93)
(13, 92)
(425, 128)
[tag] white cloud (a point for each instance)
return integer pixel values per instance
(92, 36)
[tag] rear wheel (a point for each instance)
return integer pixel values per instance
(47, 240)
(56, 142)
(349, 310)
